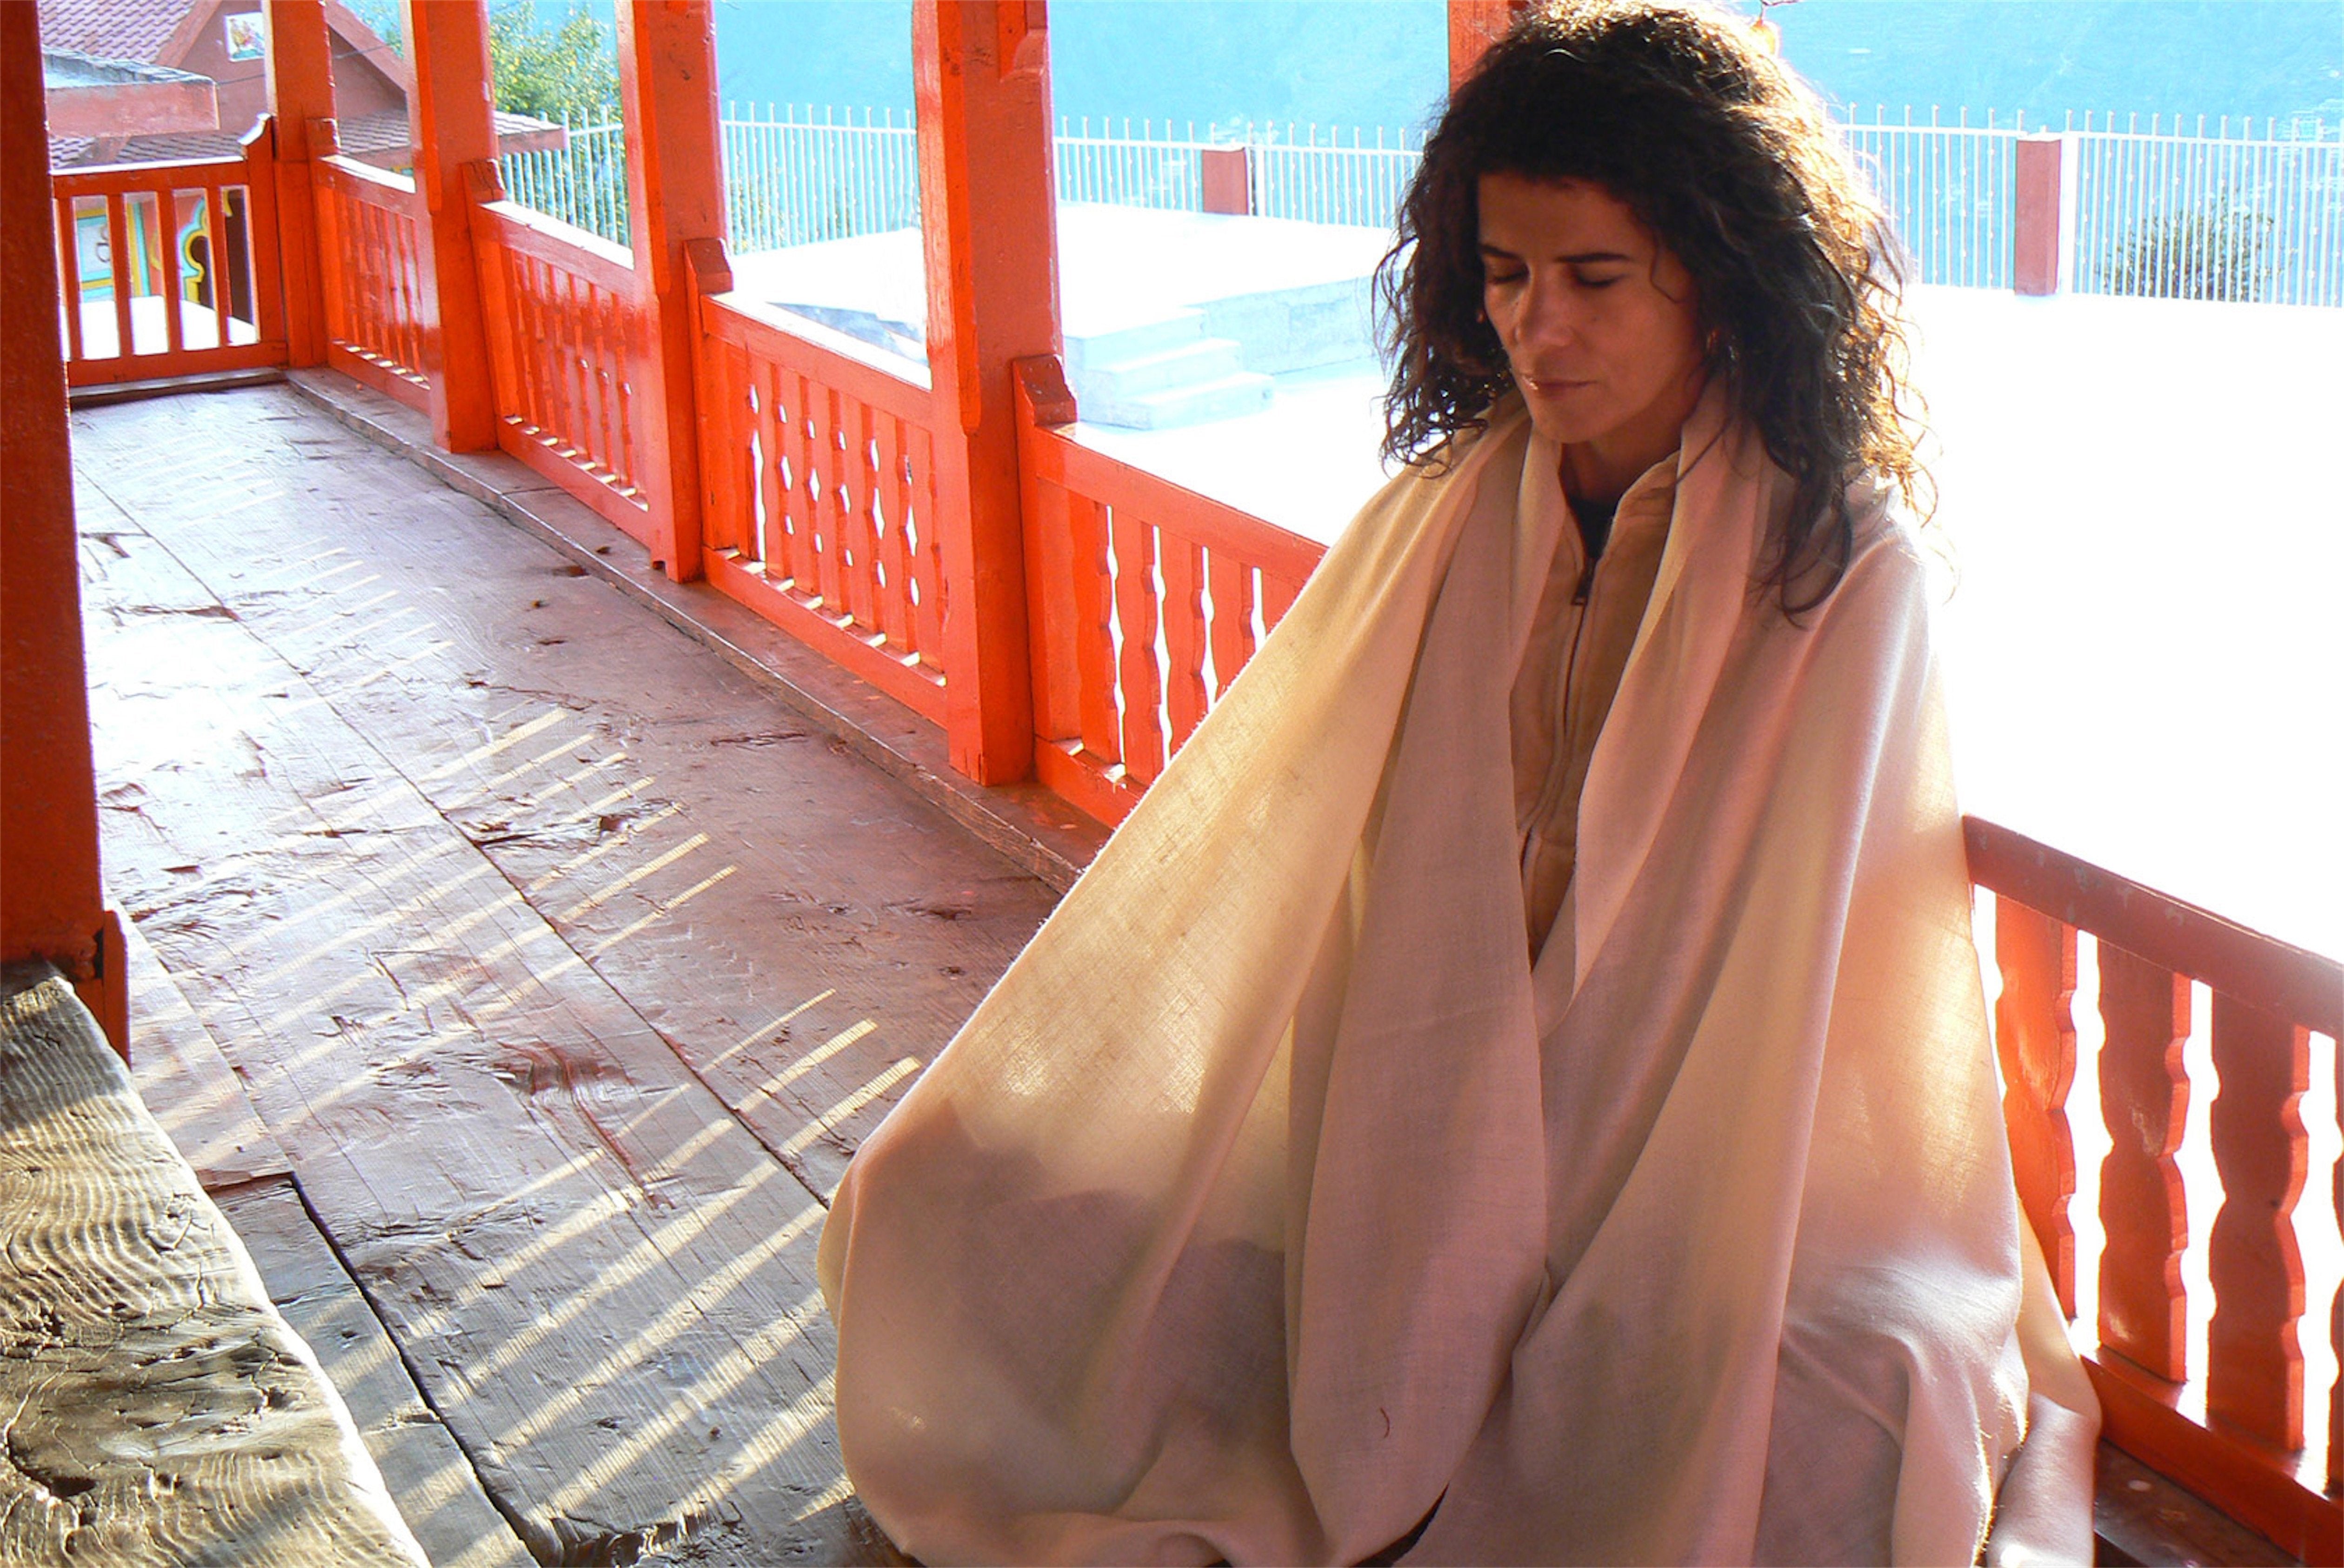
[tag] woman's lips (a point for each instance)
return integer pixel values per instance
(1550, 385)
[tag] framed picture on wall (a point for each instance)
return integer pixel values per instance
(245, 39)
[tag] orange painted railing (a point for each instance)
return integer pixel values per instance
(2232, 1431)
(370, 267)
(1122, 670)
(820, 494)
(565, 345)
(170, 269)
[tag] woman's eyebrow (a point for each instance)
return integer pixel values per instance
(1575, 259)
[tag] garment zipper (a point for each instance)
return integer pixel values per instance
(1582, 598)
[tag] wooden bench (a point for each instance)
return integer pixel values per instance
(154, 1406)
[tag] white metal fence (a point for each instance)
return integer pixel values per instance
(584, 184)
(2209, 217)
(1313, 177)
(1128, 165)
(2149, 210)
(791, 179)
(1947, 190)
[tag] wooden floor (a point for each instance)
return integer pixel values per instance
(516, 973)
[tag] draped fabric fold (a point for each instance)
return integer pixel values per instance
(1279, 1196)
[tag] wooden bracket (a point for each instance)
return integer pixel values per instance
(1023, 36)
(1042, 387)
(484, 182)
(708, 269)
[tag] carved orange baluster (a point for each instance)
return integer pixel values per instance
(529, 337)
(561, 351)
(2336, 1313)
(797, 443)
(1093, 644)
(772, 425)
(578, 383)
(2254, 1375)
(837, 516)
(609, 368)
(863, 527)
(593, 446)
(2145, 1098)
(1183, 634)
(1232, 619)
(1056, 633)
(2034, 1034)
(734, 476)
(927, 561)
(891, 493)
(1143, 687)
(624, 365)
(410, 271)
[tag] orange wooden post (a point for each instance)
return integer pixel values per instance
(1473, 26)
(675, 195)
(448, 44)
(300, 89)
(988, 211)
(52, 906)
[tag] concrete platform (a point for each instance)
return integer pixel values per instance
(1133, 285)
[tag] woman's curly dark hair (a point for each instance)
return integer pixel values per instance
(1682, 114)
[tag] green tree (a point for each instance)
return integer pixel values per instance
(2219, 250)
(571, 68)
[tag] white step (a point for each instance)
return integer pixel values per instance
(1229, 398)
(1133, 340)
(1205, 359)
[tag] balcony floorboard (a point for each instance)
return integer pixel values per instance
(563, 963)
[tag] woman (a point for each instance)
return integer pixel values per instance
(1517, 1089)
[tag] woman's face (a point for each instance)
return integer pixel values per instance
(1598, 321)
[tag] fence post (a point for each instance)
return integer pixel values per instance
(1228, 179)
(675, 196)
(2071, 191)
(447, 44)
(52, 905)
(1473, 26)
(300, 79)
(982, 74)
(2035, 224)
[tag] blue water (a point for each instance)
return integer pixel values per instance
(1381, 62)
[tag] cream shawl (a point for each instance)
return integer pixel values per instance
(1275, 1196)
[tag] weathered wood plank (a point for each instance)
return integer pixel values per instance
(603, 1281)
(159, 1410)
(848, 926)
(421, 1466)
(178, 1070)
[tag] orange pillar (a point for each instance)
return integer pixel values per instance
(988, 213)
(51, 904)
(300, 89)
(2035, 226)
(447, 44)
(675, 196)
(1473, 26)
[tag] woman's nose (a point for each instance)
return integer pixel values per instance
(1546, 312)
